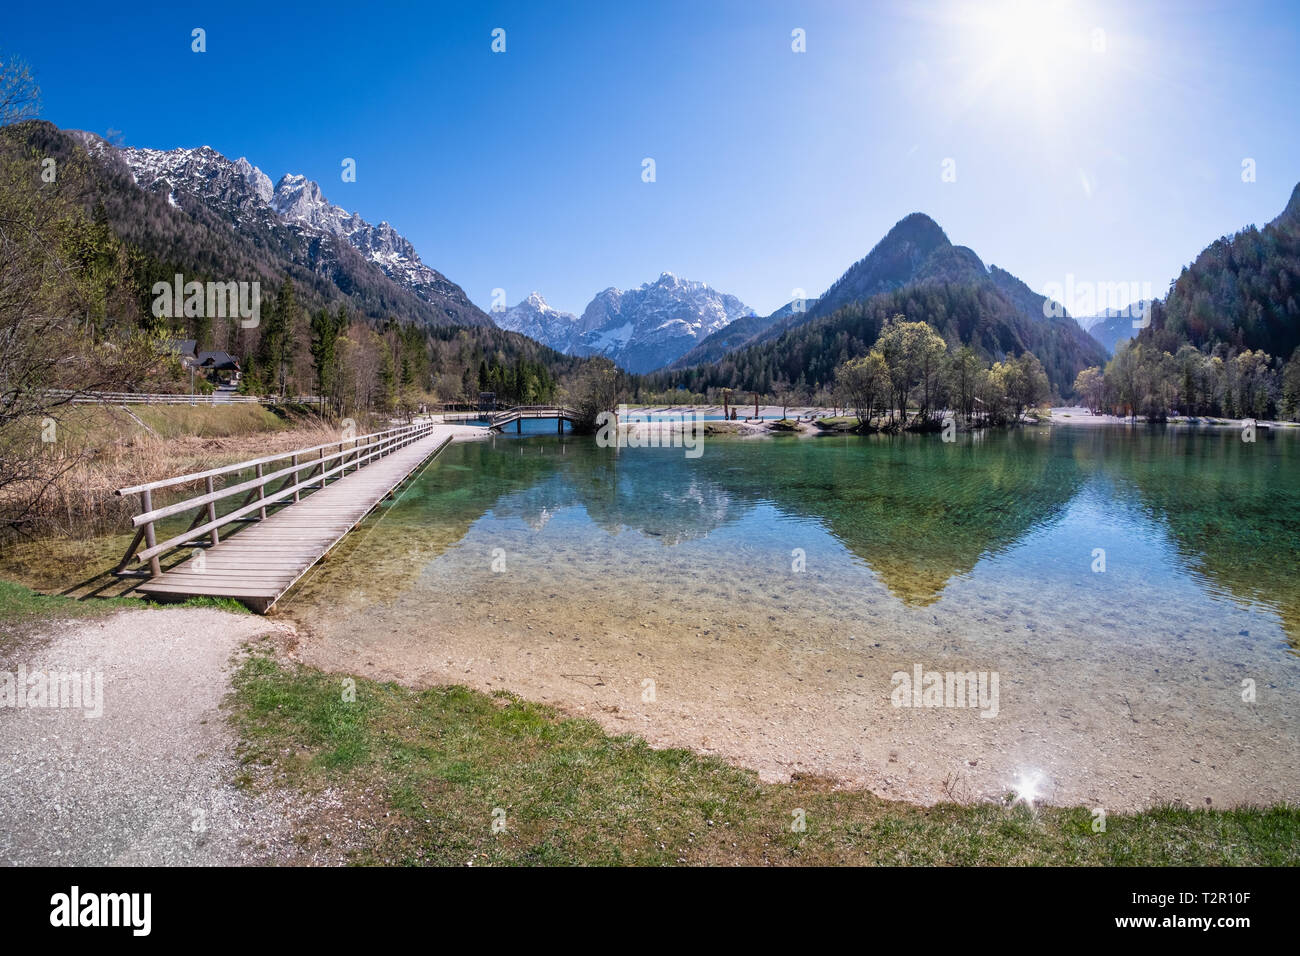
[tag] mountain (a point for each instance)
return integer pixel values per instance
(639, 329)
(534, 318)
(297, 199)
(916, 251)
(1114, 325)
(136, 217)
(647, 328)
(917, 272)
(372, 265)
(1242, 291)
(738, 334)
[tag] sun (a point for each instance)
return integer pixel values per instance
(1030, 35)
(1026, 57)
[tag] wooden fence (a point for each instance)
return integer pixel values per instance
(320, 462)
(148, 398)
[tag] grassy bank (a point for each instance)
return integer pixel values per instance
(21, 607)
(423, 773)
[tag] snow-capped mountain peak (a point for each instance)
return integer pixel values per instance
(641, 329)
(534, 318)
(258, 180)
(243, 195)
(239, 188)
(298, 198)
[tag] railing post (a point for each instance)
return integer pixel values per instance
(212, 514)
(297, 496)
(322, 466)
(261, 493)
(146, 503)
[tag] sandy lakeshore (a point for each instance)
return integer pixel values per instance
(756, 692)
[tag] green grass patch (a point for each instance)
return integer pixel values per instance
(229, 605)
(208, 421)
(20, 606)
(93, 426)
(441, 762)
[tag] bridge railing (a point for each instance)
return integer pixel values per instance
(320, 462)
(500, 416)
(532, 411)
(158, 398)
(466, 416)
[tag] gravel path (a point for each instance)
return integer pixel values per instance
(149, 781)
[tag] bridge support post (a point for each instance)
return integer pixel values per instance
(146, 505)
(519, 425)
(212, 514)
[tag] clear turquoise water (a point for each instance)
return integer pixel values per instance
(1171, 507)
(977, 553)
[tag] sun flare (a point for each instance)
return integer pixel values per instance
(1035, 34)
(1029, 58)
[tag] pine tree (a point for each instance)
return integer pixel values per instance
(276, 350)
(324, 339)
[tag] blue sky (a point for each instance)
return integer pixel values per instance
(1112, 157)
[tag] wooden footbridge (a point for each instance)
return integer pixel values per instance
(323, 493)
(498, 420)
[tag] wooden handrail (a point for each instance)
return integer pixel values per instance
(364, 449)
(520, 411)
(260, 481)
(499, 416)
(260, 504)
(243, 465)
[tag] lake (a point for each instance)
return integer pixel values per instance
(1122, 605)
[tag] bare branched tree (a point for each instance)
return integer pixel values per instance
(594, 390)
(68, 312)
(19, 97)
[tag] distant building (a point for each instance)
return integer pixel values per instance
(222, 368)
(186, 349)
